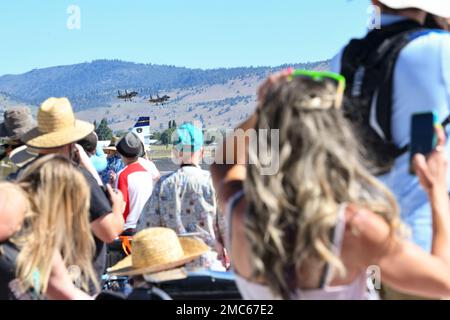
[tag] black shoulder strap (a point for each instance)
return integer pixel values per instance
(446, 121)
(390, 50)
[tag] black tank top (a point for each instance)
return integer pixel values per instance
(8, 256)
(10, 287)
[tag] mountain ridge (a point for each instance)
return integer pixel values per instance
(93, 84)
(216, 97)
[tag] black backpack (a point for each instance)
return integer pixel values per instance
(368, 65)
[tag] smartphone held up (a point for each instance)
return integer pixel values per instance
(423, 135)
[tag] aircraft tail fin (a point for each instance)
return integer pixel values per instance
(142, 122)
(142, 129)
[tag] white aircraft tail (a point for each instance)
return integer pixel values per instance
(142, 129)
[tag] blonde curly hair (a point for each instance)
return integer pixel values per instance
(292, 214)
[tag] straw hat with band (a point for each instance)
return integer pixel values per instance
(57, 126)
(22, 155)
(112, 145)
(158, 250)
(439, 8)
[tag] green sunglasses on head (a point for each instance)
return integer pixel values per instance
(320, 76)
(337, 79)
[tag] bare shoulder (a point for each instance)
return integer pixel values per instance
(367, 235)
(227, 179)
(365, 221)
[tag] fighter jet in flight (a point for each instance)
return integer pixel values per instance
(159, 100)
(127, 95)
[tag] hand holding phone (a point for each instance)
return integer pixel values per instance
(432, 171)
(423, 135)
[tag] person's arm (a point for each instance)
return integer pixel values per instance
(99, 160)
(405, 266)
(86, 163)
(60, 285)
(221, 233)
(432, 174)
(108, 227)
(229, 168)
(155, 172)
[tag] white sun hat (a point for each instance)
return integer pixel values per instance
(439, 8)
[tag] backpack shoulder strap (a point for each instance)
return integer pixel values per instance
(390, 49)
(368, 50)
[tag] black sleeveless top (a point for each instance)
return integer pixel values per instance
(8, 256)
(10, 287)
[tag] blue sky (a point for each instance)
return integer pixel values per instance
(192, 33)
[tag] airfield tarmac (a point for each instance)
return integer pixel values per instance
(167, 166)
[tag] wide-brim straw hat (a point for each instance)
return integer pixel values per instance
(169, 275)
(112, 145)
(109, 148)
(158, 249)
(57, 126)
(439, 8)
